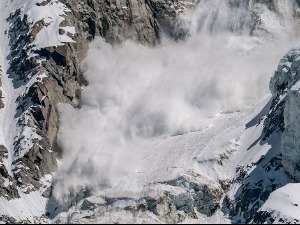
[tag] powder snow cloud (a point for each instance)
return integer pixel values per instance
(137, 93)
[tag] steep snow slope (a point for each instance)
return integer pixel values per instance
(9, 128)
(224, 172)
(283, 205)
(43, 25)
(15, 134)
(230, 166)
(283, 118)
(208, 157)
(7, 122)
(40, 64)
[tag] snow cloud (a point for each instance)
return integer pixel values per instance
(137, 94)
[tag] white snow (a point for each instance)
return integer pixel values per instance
(205, 156)
(284, 203)
(6, 182)
(7, 121)
(28, 135)
(52, 14)
(195, 156)
(28, 207)
(69, 29)
(210, 154)
(199, 152)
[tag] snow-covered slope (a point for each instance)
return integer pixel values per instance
(222, 154)
(225, 171)
(40, 57)
(283, 205)
(25, 28)
(185, 171)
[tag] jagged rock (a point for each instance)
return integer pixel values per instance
(8, 187)
(169, 202)
(37, 106)
(116, 21)
(144, 22)
(281, 164)
(284, 86)
(204, 197)
(47, 193)
(38, 26)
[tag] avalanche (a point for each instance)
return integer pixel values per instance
(183, 132)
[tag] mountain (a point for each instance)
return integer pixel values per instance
(149, 111)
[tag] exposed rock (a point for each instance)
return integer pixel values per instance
(52, 75)
(38, 26)
(203, 197)
(144, 21)
(8, 187)
(47, 193)
(171, 202)
(280, 165)
(284, 87)
(116, 21)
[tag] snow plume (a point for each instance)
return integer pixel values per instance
(137, 94)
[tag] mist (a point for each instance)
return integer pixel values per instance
(137, 94)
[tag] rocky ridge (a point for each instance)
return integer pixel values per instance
(170, 202)
(52, 75)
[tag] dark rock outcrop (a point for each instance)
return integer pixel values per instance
(52, 75)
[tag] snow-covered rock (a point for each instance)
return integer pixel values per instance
(233, 171)
(42, 45)
(285, 85)
(282, 206)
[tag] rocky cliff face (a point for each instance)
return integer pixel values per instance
(46, 72)
(245, 202)
(171, 202)
(281, 165)
(50, 73)
(284, 86)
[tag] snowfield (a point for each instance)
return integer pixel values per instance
(220, 155)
